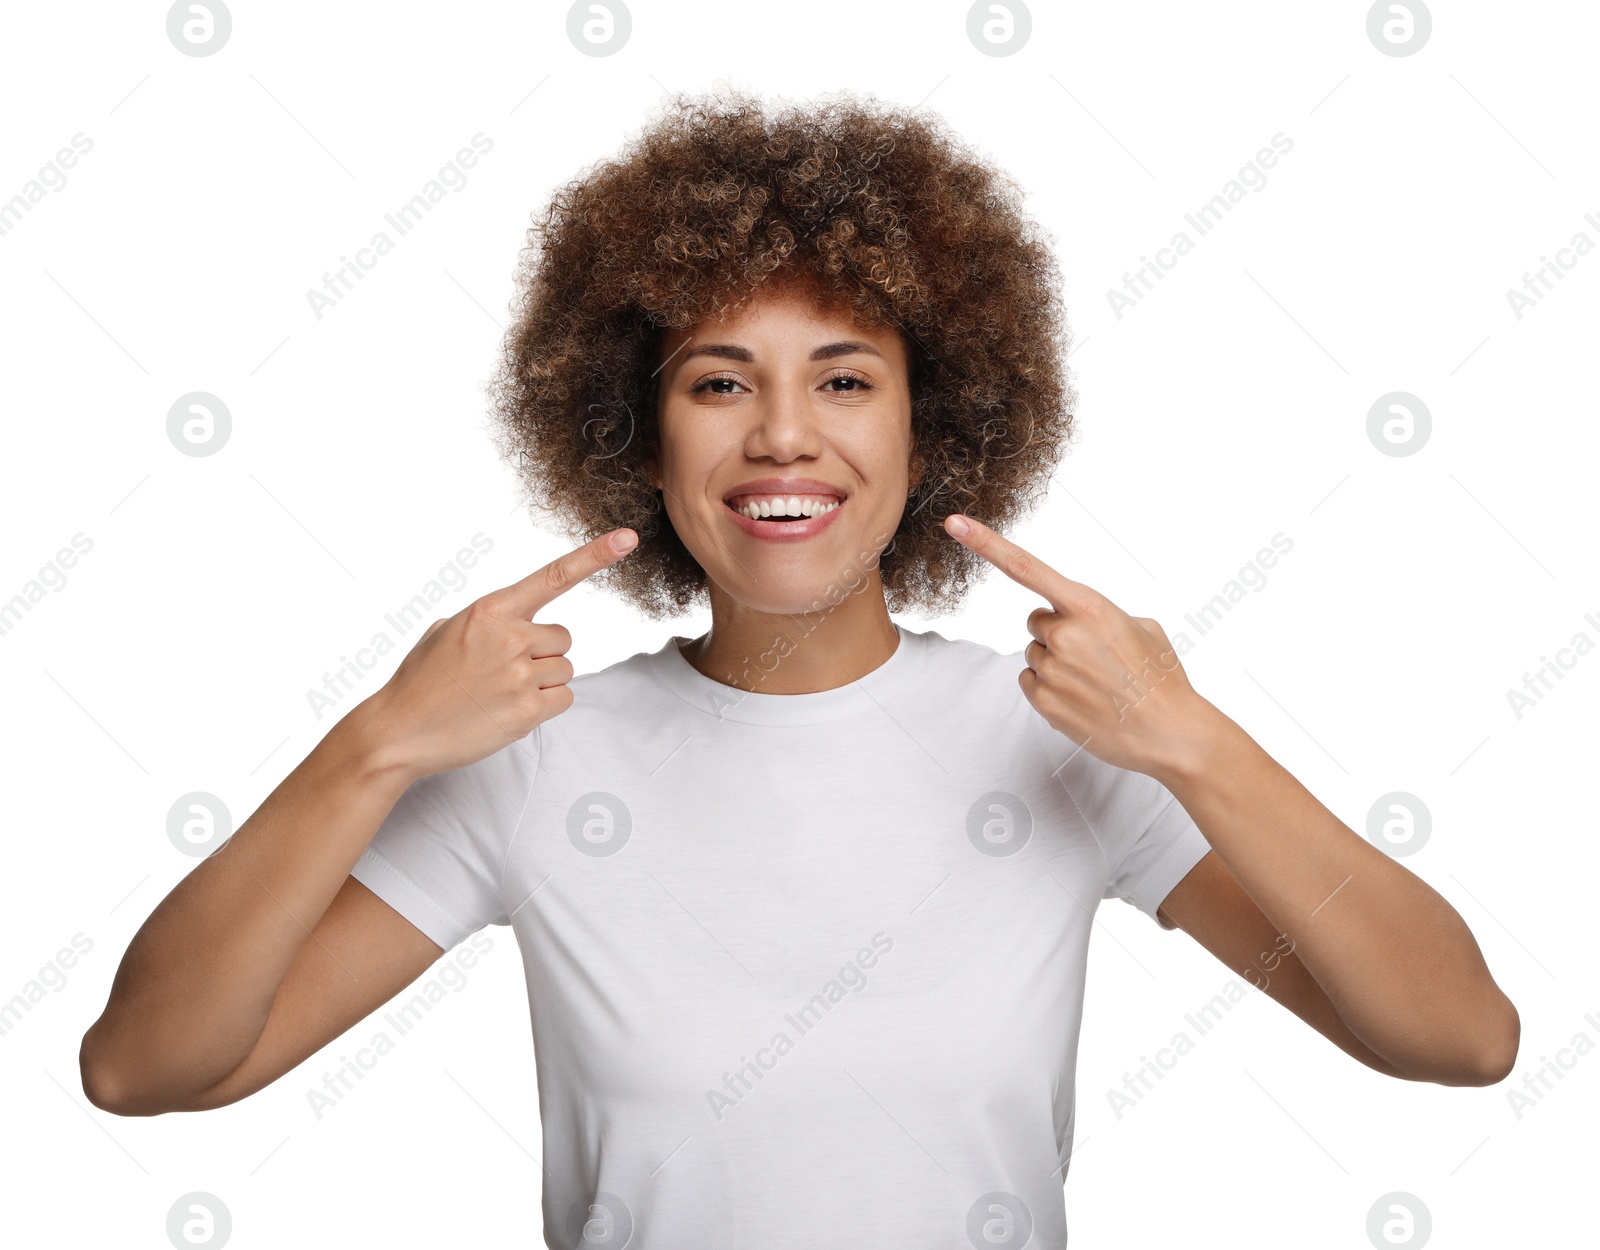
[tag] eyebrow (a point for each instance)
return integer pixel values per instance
(732, 351)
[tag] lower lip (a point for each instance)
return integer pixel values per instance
(785, 531)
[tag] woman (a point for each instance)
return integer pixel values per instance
(804, 903)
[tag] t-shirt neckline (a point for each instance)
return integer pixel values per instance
(867, 693)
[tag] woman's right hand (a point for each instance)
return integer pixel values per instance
(484, 678)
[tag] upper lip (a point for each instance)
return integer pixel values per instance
(804, 486)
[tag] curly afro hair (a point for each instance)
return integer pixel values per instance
(879, 211)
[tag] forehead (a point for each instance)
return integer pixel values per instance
(789, 315)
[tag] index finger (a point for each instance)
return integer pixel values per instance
(535, 591)
(1019, 564)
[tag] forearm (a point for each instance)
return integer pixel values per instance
(196, 985)
(1396, 960)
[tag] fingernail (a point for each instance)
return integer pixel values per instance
(957, 524)
(623, 540)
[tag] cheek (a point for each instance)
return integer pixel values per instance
(882, 455)
(683, 463)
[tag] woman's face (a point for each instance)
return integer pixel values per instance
(784, 400)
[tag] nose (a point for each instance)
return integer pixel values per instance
(783, 425)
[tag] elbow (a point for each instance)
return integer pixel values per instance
(1486, 1058)
(99, 1086)
(114, 1098)
(1499, 1059)
(105, 1087)
(103, 1095)
(1496, 1053)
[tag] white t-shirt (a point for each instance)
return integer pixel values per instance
(804, 970)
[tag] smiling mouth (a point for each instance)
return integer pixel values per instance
(780, 509)
(789, 518)
(778, 519)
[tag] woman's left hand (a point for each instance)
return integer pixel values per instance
(1109, 681)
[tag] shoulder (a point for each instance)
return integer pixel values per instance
(968, 674)
(624, 697)
(963, 654)
(618, 685)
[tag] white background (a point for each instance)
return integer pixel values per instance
(1229, 405)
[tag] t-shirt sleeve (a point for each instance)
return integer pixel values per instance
(438, 856)
(1159, 857)
(1149, 841)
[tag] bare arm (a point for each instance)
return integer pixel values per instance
(1211, 906)
(268, 949)
(361, 954)
(1394, 959)
(195, 989)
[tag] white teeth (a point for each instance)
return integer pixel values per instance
(788, 505)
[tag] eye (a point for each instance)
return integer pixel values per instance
(844, 375)
(704, 384)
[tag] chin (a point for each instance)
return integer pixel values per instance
(798, 592)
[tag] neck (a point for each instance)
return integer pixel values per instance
(803, 652)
